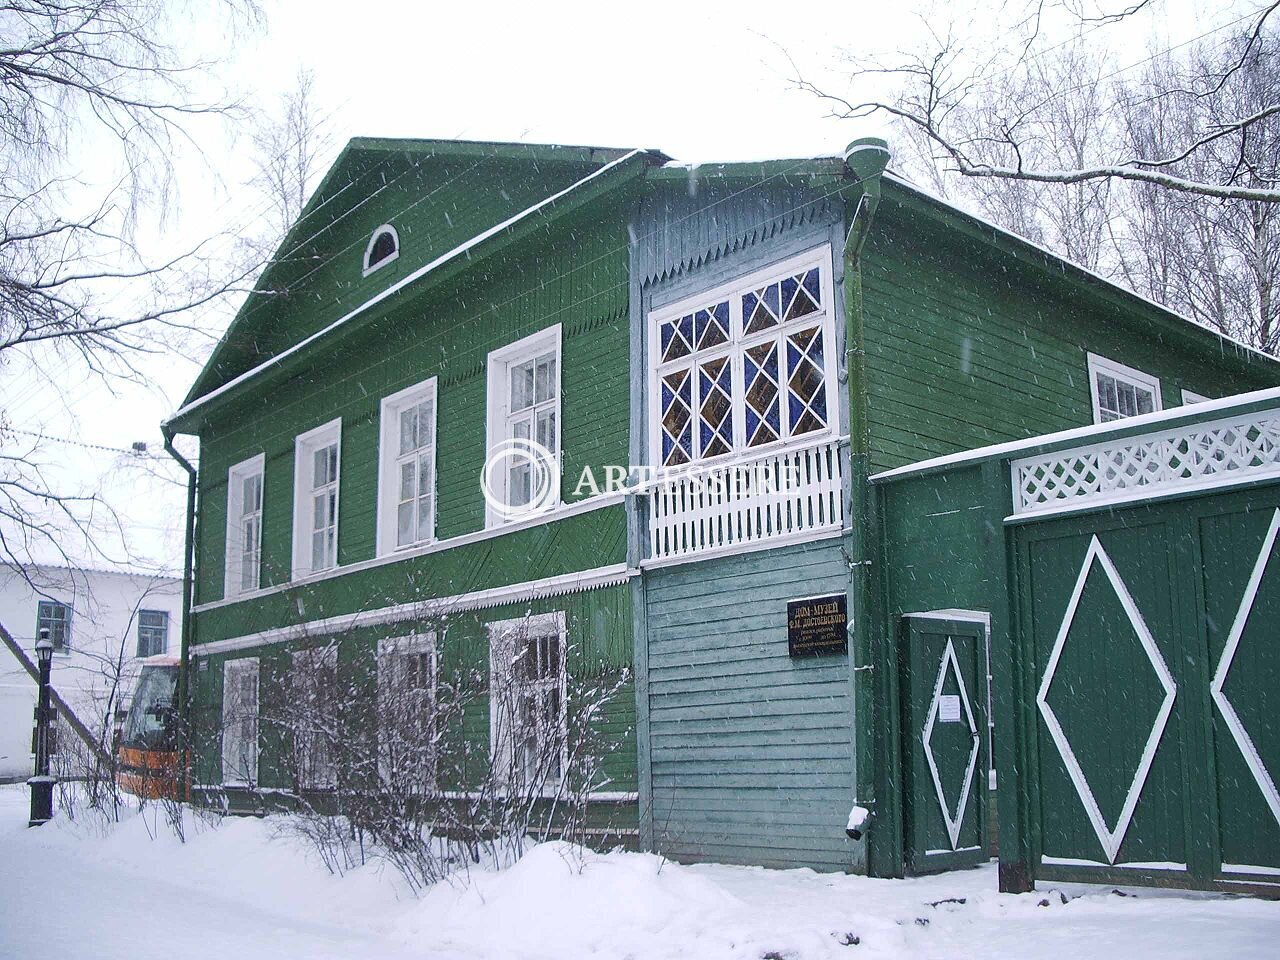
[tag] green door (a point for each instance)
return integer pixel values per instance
(944, 700)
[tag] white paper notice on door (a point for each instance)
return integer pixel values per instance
(949, 708)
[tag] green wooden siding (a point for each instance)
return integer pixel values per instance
(751, 751)
(967, 347)
(316, 276)
(933, 537)
(599, 644)
(575, 276)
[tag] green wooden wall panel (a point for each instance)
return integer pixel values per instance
(576, 543)
(738, 725)
(574, 275)
(965, 349)
(435, 204)
(599, 638)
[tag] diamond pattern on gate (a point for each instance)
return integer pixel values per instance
(1221, 451)
(1111, 838)
(953, 820)
(1239, 733)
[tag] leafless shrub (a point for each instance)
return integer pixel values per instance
(392, 761)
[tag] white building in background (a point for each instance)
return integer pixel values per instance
(101, 623)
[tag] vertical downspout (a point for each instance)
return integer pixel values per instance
(188, 587)
(865, 161)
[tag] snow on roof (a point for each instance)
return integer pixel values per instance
(447, 257)
(1081, 435)
(903, 182)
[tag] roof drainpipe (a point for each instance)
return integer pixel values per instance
(188, 586)
(865, 160)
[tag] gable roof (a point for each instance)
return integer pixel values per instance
(466, 195)
(442, 196)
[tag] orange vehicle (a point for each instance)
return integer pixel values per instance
(147, 756)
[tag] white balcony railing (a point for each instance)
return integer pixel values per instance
(784, 495)
(1192, 456)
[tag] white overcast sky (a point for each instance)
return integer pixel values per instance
(702, 82)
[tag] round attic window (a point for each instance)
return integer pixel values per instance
(384, 246)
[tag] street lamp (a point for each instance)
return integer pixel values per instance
(42, 784)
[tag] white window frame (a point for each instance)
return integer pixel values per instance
(368, 250)
(247, 726)
(498, 406)
(501, 633)
(233, 570)
(305, 447)
(389, 459)
(164, 644)
(414, 644)
(738, 343)
(324, 771)
(1118, 371)
(1189, 396)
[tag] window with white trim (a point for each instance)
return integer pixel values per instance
(527, 683)
(313, 716)
(153, 632)
(240, 721)
(744, 367)
(382, 249)
(523, 404)
(244, 527)
(55, 616)
(407, 468)
(1119, 391)
(408, 672)
(316, 466)
(1190, 397)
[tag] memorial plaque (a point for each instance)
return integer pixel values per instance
(817, 625)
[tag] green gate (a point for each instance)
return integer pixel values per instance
(944, 705)
(1149, 657)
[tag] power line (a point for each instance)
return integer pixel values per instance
(546, 317)
(140, 454)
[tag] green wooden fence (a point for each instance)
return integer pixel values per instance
(1131, 578)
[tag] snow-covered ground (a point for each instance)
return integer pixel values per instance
(68, 892)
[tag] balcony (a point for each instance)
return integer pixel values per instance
(786, 496)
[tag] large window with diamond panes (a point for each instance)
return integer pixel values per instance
(744, 367)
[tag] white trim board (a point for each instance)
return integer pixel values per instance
(1094, 431)
(1049, 861)
(475, 600)
(735, 549)
(435, 546)
(458, 251)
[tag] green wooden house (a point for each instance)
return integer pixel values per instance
(786, 329)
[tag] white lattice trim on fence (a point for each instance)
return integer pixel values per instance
(1195, 455)
(781, 495)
